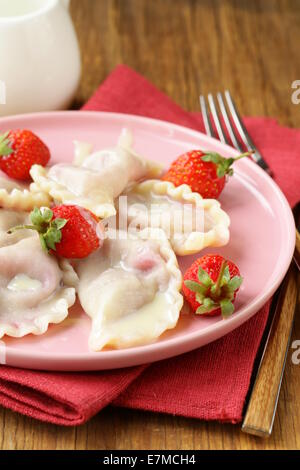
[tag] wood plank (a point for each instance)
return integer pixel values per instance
(263, 403)
(184, 47)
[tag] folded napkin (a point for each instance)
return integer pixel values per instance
(210, 383)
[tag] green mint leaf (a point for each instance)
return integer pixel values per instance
(204, 277)
(235, 283)
(227, 308)
(195, 287)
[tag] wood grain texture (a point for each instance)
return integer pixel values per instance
(262, 405)
(184, 47)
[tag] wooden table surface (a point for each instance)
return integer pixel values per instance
(184, 47)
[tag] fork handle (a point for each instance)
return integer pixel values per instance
(297, 250)
(262, 406)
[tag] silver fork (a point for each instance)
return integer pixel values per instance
(238, 137)
(256, 404)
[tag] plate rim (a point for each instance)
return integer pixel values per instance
(216, 330)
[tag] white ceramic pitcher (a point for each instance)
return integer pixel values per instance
(39, 56)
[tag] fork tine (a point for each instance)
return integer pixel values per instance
(206, 119)
(229, 127)
(215, 116)
(241, 128)
(244, 134)
(257, 157)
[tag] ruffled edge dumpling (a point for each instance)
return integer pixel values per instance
(82, 150)
(65, 300)
(22, 199)
(218, 235)
(172, 293)
(60, 193)
(69, 275)
(59, 304)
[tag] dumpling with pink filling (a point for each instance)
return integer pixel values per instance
(94, 180)
(190, 222)
(34, 290)
(130, 289)
(9, 219)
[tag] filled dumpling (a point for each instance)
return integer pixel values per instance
(9, 219)
(130, 289)
(16, 195)
(190, 222)
(94, 180)
(34, 289)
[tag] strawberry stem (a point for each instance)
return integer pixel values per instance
(245, 154)
(21, 227)
(49, 229)
(223, 164)
(219, 279)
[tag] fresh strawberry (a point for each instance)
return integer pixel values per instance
(19, 150)
(69, 231)
(211, 284)
(204, 172)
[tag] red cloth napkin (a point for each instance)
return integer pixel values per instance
(210, 383)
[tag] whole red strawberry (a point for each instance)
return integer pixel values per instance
(19, 150)
(69, 231)
(211, 284)
(204, 172)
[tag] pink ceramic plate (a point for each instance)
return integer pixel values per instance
(262, 241)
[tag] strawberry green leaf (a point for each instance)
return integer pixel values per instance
(208, 303)
(47, 214)
(227, 308)
(223, 164)
(204, 277)
(203, 310)
(195, 287)
(36, 217)
(227, 162)
(49, 230)
(200, 298)
(52, 236)
(5, 148)
(235, 283)
(226, 276)
(220, 172)
(211, 157)
(43, 242)
(59, 223)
